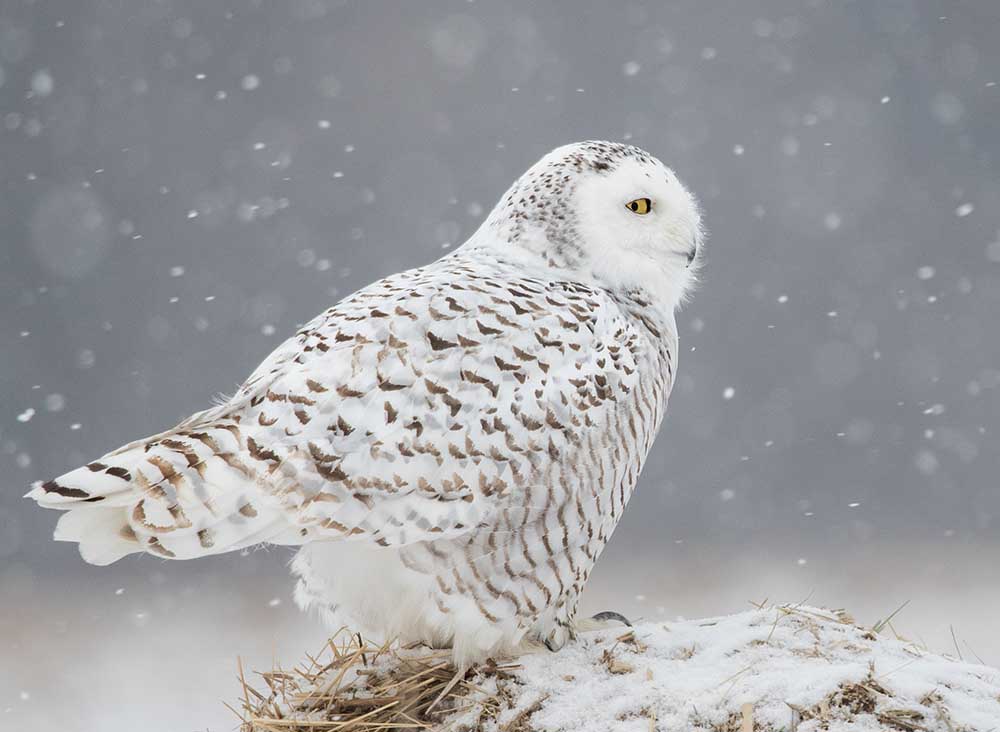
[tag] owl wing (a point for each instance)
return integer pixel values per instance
(415, 410)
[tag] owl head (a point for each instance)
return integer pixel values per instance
(606, 213)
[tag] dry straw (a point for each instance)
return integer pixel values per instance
(352, 685)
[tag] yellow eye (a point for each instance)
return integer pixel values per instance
(640, 206)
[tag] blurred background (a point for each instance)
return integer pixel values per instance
(185, 182)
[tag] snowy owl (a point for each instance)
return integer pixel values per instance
(451, 446)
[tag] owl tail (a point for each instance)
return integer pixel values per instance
(183, 494)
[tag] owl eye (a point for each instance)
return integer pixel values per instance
(640, 206)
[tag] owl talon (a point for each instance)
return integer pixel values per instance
(607, 615)
(531, 645)
(607, 620)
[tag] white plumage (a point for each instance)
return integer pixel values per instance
(452, 446)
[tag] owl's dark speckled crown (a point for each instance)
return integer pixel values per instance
(539, 198)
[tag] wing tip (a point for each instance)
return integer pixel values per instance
(52, 494)
(36, 491)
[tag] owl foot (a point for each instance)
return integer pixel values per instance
(566, 632)
(607, 620)
(530, 645)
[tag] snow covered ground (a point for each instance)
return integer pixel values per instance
(97, 652)
(782, 668)
(779, 668)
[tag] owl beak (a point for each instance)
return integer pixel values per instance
(691, 255)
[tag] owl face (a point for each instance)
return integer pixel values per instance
(640, 227)
(608, 213)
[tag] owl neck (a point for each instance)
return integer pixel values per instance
(627, 276)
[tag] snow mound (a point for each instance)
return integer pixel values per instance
(775, 669)
(781, 668)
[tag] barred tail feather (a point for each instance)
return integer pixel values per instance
(99, 532)
(179, 495)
